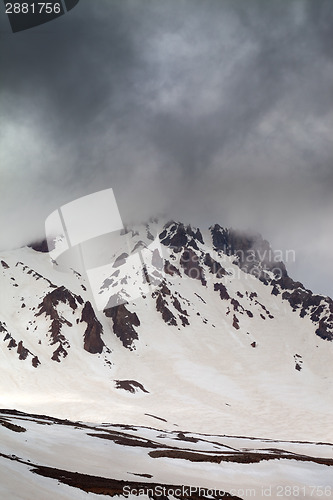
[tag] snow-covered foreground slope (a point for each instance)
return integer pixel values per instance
(209, 345)
(43, 458)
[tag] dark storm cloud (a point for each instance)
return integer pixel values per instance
(217, 110)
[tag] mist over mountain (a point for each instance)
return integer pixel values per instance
(203, 111)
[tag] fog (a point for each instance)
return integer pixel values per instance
(203, 111)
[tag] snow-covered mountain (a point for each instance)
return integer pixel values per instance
(220, 338)
(204, 332)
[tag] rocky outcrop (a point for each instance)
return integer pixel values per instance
(223, 291)
(130, 385)
(124, 322)
(92, 335)
(171, 269)
(214, 266)
(162, 307)
(189, 261)
(49, 307)
(41, 246)
(22, 351)
(164, 300)
(254, 255)
(176, 236)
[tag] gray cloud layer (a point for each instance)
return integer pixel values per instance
(217, 110)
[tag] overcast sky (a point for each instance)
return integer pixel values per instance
(205, 110)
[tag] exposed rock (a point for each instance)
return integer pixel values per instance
(255, 256)
(237, 306)
(176, 236)
(235, 322)
(60, 352)
(12, 343)
(4, 264)
(170, 269)
(223, 291)
(49, 307)
(3, 327)
(92, 335)
(130, 385)
(42, 246)
(35, 361)
(184, 320)
(167, 316)
(214, 266)
(52, 299)
(22, 351)
(11, 426)
(189, 261)
(123, 324)
(177, 239)
(177, 306)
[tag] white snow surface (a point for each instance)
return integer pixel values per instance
(207, 377)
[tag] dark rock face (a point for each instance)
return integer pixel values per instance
(176, 236)
(162, 295)
(4, 264)
(49, 307)
(12, 343)
(324, 329)
(255, 256)
(92, 336)
(170, 269)
(22, 351)
(35, 361)
(52, 299)
(130, 385)
(59, 353)
(235, 322)
(189, 261)
(223, 291)
(40, 246)
(123, 324)
(161, 306)
(214, 266)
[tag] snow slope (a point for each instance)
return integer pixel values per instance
(42, 457)
(207, 346)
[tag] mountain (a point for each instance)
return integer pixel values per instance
(187, 330)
